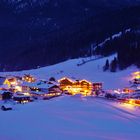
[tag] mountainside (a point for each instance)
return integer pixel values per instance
(90, 70)
(127, 46)
(43, 32)
(27, 4)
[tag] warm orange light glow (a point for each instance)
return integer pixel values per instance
(83, 87)
(133, 102)
(127, 90)
(11, 82)
(28, 78)
(127, 106)
(65, 78)
(24, 101)
(136, 75)
(26, 94)
(85, 81)
(18, 88)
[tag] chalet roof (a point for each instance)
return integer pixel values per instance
(37, 85)
(45, 86)
(20, 95)
(74, 80)
(39, 92)
(66, 78)
(53, 82)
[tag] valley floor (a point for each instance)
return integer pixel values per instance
(71, 118)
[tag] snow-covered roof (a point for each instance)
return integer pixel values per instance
(20, 96)
(54, 83)
(35, 84)
(2, 91)
(29, 84)
(7, 105)
(4, 86)
(45, 86)
(39, 92)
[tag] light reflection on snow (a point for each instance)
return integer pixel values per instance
(127, 106)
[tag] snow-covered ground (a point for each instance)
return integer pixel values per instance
(92, 71)
(71, 118)
(74, 118)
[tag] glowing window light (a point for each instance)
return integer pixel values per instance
(26, 94)
(136, 75)
(18, 88)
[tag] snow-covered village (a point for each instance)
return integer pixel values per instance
(69, 69)
(67, 101)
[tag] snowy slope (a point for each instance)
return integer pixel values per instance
(71, 118)
(74, 118)
(91, 71)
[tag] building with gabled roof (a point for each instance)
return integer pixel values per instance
(76, 86)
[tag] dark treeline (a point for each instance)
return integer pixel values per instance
(32, 46)
(129, 51)
(127, 47)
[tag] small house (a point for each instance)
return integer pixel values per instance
(40, 89)
(97, 86)
(21, 98)
(11, 81)
(29, 78)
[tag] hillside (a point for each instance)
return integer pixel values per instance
(64, 29)
(92, 71)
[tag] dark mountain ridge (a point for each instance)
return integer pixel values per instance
(43, 32)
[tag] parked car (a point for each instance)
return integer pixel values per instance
(6, 107)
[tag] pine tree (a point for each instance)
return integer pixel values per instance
(113, 65)
(106, 66)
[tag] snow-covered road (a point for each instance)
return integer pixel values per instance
(71, 118)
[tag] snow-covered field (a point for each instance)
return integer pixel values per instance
(74, 118)
(71, 118)
(92, 71)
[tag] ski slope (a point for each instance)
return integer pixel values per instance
(92, 71)
(71, 118)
